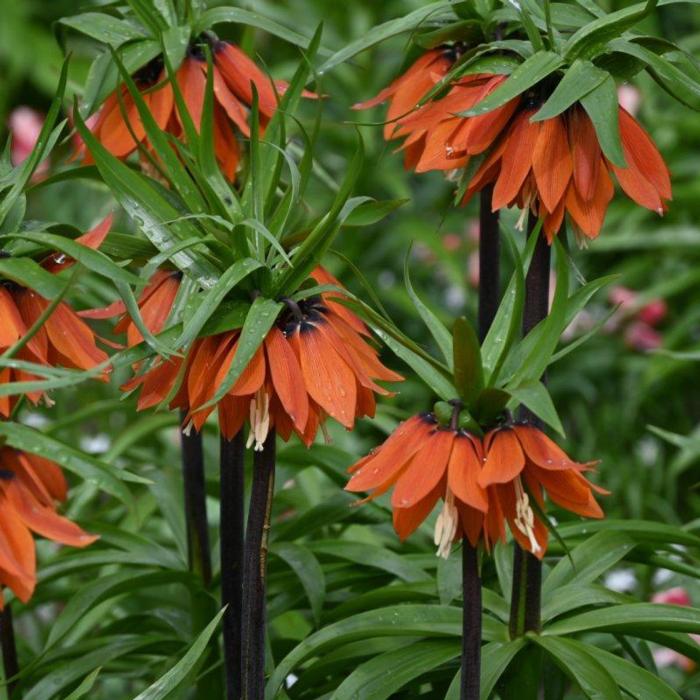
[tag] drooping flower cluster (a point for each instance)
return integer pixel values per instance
(314, 363)
(120, 130)
(63, 340)
(483, 483)
(30, 487)
(551, 167)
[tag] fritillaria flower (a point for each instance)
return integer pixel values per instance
(426, 462)
(556, 167)
(64, 339)
(521, 463)
(314, 363)
(30, 487)
(155, 304)
(120, 130)
(552, 167)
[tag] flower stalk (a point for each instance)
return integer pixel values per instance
(255, 570)
(195, 504)
(9, 649)
(527, 569)
(489, 292)
(232, 485)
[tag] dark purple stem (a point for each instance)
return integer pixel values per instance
(232, 485)
(527, 569)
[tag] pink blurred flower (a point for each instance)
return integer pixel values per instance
(630, 98)
(664, 657)
(673, 596)
(623, 297)
(25, 125)
(641, 336)
(452, 242)
(654, 312)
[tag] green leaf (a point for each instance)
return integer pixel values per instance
(634, 618)
(602, 107)
(90, 469)
(384, 675)
(149, 209)
(579, 80)
(213, 298)
(468, 370)
(86, 686)
(224, 15)
(677, 82)
(433, 323)
(175, 43)
(29, 274)
(373, 556)
(379, 33)
(590, 560)
(104, 28)
(103, 74)
(548, 332)
(45, 142)
(527, 74)
(106, 588)
(373, 212)
(449, 579)
(505, 327)
(592, 38)
(535, 396)
(92, 259)
(490, 404)
(495, 659)
(644, 531)
(576, 661)
(636, 681)
(177, 677)
(308, 570)
(400, 620)
(319, 239)
(574, 596)
(260, 319)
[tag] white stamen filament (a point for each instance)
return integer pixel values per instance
(446, 526)
(259, 420)
(525, 518)
(520, 224)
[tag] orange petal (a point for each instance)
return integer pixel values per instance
(425, 470)
(328, 378)
(384, 463)
(287, 377)
(407, 520)
(543, 451)
(586, 154)
(114, 134)
(589, 215)
(504, 458)
(12, 328)
(45, 521)
(641, 154)
(551, 162)
(233, 108)
(516, 161)
(463, 474)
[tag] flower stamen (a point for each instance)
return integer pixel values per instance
(259, 420)
(525, 517)
(446, 526)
